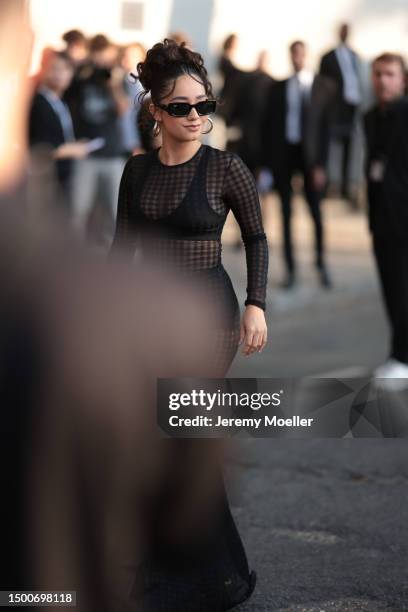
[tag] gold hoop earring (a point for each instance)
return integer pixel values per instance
(211, 126)
(156, 128)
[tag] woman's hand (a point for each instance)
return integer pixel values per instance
(254, 332)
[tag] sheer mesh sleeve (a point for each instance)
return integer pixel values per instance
(242, 197)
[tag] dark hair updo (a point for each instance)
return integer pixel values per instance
(164, 63)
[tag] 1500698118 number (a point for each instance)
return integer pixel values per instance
(37, 598)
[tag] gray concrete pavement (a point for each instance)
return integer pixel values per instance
(324, 521)
(313, 330)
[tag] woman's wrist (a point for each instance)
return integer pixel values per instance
(255, 304)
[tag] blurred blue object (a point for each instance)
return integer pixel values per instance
(265, 181)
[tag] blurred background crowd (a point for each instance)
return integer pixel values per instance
(291, 106)
(86, 107)
(93, 76)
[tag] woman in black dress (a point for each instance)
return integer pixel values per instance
(173, 203)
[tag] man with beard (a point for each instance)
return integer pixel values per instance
(386, 130)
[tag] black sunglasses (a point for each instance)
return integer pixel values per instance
(182, 109)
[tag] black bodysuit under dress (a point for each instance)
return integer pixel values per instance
(177, 213)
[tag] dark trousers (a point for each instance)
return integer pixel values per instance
(391, 254)
(343, 133)
(345, 144)
(283, 181)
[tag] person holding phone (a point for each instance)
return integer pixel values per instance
(50, 122)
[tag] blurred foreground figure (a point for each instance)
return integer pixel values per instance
(16, 40)
(83, 467)
(386, 129)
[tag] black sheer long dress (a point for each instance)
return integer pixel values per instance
(176, 214)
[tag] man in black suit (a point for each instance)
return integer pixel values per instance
(50, 124)
(342, 66)
(386, 130)
(295, 135)
(250, 105)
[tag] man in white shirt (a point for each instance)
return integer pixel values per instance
(341, 65)
(295, 139)
(50, 124)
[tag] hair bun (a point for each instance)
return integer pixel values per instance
(164, 63)
(164, 59)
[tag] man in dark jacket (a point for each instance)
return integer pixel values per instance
(295, 135)
(386, 130)
(97, 100)
(50, 123)
(341, 65)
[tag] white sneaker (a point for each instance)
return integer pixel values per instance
(392, 375)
